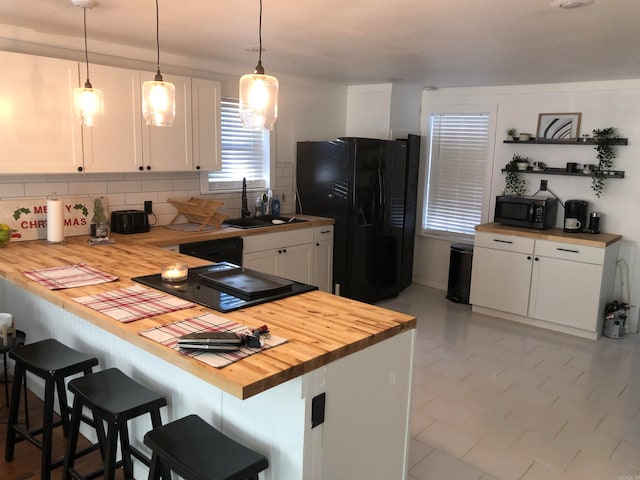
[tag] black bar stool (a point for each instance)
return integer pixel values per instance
(16, 339)
(195, 450)
(53, 362)
(113, 398)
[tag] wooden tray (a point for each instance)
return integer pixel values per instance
(199, 210)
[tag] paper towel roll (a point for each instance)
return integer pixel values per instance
(55, 221)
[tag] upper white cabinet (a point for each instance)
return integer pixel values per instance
(39, 132)
(38, 129)
(205, 111)
(116, 144)
(170, 148)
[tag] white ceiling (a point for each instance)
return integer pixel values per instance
(426, 42)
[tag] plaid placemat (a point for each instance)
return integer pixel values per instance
(133, 303)
(69, 276)
(168, 335)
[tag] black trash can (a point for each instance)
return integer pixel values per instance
(460, 262)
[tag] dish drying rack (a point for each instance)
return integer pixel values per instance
(199, 210)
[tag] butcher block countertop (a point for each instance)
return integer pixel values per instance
(320, 327)
(165, 237)
(601, 240)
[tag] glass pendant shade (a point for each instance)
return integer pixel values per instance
(158, 102)
(89, 105)
(258, 101)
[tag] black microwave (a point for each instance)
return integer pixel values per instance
(529, 212)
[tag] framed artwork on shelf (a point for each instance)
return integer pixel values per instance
(558, 126)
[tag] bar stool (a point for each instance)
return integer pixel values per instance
(15, 339)
(53, 362)
(113, 398)
(195, 450)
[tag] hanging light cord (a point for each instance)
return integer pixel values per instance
(158, 75)
(259, 69)
(87, 84)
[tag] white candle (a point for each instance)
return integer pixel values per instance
(174, 272)
(55, 221)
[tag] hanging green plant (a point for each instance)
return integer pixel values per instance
(515, 184)
(605, 140)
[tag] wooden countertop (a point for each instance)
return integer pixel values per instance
(165, 237)
(320, 327)
(601, 240)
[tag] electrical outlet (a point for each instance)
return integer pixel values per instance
(543, 185)
(148, 206)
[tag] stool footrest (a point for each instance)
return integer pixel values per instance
(139, 455)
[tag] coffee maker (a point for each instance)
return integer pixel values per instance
(575, 215)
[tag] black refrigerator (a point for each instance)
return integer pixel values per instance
(369, 187)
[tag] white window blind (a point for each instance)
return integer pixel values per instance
(456, 176)
(245, 153)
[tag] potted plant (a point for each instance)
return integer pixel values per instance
(605, 140)
(515, 184)
(512, 133)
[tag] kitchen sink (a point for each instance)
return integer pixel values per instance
(258, 222)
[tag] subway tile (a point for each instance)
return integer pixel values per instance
(192, 184)
(11, 190)
(87, 188)
(127, 186)
(156, 185)
(45, 189)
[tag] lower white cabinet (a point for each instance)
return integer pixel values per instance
(293, 254)
(558, 285)
(323, 258)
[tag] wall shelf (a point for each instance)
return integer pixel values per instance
(562, 171)
(544, 141)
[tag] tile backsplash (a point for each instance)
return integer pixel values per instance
(123, 191)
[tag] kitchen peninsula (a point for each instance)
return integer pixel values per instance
(358, 355)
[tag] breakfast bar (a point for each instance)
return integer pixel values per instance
(354, 359)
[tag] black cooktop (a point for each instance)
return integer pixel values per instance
(220, 286)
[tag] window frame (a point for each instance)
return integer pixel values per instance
(427, 111)
(252, 185)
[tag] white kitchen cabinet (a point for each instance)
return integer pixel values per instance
(38, 129)
(205, 105)
(116, 144)
(553, 284)
(169, 149)
(323, 258)
(304, 255)
(287, 254)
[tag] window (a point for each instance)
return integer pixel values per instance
(457, 172)
(245, 153)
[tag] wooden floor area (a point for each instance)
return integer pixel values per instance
(26, 462)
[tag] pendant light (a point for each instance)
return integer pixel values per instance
(259, 94)
(158, 96)
(88, 101)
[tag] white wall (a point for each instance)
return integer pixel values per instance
(602, 104)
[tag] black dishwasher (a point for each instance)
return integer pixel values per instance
(222, 250)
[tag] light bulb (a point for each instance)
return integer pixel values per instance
(258, 101)
(158, 103)
(89, 104)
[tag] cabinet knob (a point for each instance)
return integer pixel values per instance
(148, 167)
(279, 251)
(285, 250)
(140, 168)
(79, 169)
(536, 259)
(197, 167)
(317, 244)
(528, 257)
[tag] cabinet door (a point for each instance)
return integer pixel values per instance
(205, 98)
(565, 292)
(296, 263)
(169, 149)
(500, 280)
(263, 261)
(323, 258)
(116, 144)
(39, 132)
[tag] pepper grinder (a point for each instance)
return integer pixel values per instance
(594, 222)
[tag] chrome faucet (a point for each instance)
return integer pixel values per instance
(245, 209)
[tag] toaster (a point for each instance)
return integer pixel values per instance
(129, 221)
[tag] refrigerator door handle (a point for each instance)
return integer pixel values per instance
(381, 195)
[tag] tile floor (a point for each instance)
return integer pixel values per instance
(493, 399)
